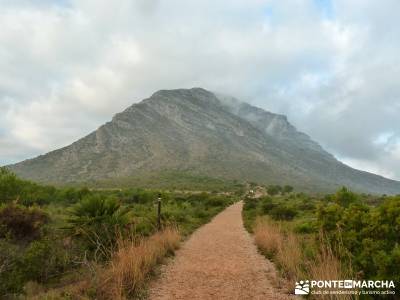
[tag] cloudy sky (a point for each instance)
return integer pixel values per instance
(66, 66)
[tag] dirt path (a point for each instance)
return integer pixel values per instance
(219, 261)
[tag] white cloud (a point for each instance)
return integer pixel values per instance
(67, 66)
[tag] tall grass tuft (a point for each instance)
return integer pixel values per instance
(326, 266)
(283, 247)
(132, 263)
(124, 277)
(268, 237)
(286, 249)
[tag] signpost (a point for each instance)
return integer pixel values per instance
(159, 212)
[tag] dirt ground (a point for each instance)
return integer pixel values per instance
(219, 261)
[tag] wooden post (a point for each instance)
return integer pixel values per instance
(159, 212)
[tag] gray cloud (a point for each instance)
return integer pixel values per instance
(68, 66)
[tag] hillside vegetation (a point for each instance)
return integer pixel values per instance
(337, 236)
(76, 243)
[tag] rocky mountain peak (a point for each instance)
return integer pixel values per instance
(203, 133)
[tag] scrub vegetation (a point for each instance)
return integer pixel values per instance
(336, 236)
(77, 243)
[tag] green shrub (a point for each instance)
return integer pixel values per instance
(369, 234)
(329, 216)
(10, 279)
(345, 197)
(22, 191)
(40, 261)
(20, 222)
(274, 189)
(267, 204)
(140, 196)
(305, 227)
(10, 186)
(250, 203)
(98, 220)
(215, 201)
(71, 195)
(197, 198)
(287, 189)
(306, 204)
(362, 230)
(283, 212)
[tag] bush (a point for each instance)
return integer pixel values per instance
(274, 190)
(9, 186)
(140, 196)
(71, 195)
(250, 203)
(22, 191)
(42, 260)
(21, 223)
(306, 204)
(267, 204)
(98, 220)
(10, 254)
(370, 234)
(305, 227)
(215, 201)
(287, 189)
(39, 261)
(342, 229)
(329, 216)
(345, 197)
(283, 212)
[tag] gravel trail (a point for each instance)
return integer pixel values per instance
(219, 261)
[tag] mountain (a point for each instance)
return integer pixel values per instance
(194, 131)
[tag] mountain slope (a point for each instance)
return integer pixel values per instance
(197, 132)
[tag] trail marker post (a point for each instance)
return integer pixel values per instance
(159, 212)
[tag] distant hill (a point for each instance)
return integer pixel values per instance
(194, 131)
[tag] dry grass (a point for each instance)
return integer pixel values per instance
(285, 248)
(326, 266)
(290, 256)
(268, 237)
(132, 262)
(78, 291)
(123, 277)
